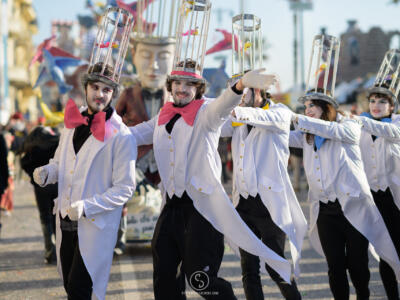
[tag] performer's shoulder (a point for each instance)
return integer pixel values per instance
(117, 125)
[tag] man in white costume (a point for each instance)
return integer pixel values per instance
(262, 191)
(94, 166)
(197, 210)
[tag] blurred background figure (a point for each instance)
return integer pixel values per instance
(17, 127)
(6, 199)
(3, 168)
(38, 147)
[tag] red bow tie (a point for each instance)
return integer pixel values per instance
(73, 118)
(188, 112)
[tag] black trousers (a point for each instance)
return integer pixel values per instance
(391, 216)
(77, 281)
(257, 217)
(44, 200)
(186, 244)
(344, 248)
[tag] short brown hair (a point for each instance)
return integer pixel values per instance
(200, 85)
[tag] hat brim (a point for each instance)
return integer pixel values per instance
(318, 96)
(188, 78)
(96, 77)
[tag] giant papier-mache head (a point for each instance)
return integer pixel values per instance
(387, 81)
(191, 40)
(322, 70)
(109, 49)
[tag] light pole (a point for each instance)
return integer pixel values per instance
(298, 6)
(4, 97)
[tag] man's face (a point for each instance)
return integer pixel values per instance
(258, 100)
(153, 63)
(380, 107)
(98, 96)
(183, 91)
(252, 98)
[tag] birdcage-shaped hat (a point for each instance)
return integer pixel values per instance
(191, 40)
(156, 21)
(109, 48)
(387, 80)
(322, 69)
(246, 44)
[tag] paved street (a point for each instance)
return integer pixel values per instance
(24, 275)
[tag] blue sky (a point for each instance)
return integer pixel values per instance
(277, 23)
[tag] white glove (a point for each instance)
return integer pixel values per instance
(256, 79)
(75, 211)
(40, 176)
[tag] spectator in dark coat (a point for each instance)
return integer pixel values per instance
(38, 148)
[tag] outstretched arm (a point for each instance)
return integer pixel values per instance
(390, 131)
(296, 139)
(218, 111)
(348, 131)
(143, 132)
(275, 119)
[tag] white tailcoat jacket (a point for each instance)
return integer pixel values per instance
(102, 174)
(260, 162)
(336, 171)
(188, 160)
(382, 157)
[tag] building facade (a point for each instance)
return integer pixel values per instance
(18, 26)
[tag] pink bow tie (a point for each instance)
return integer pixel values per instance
(188, 112)
(73, 118)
